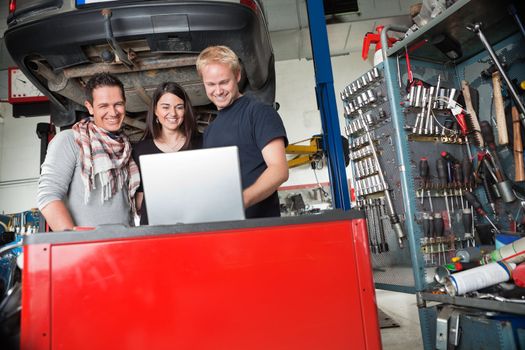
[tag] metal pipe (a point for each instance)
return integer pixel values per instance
(141, 65)
(59, 83)
(476, 28)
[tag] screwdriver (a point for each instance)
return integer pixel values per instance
(426, 234)
(451, 160)
(503, 184)
(431, 233)
(424, 174)
(439, 229)
(454, 195)
(488, 136)
(371, 228)
(458, 181)
(376, 226)
(479, 209)
(449, 157)
(442, 176)
(467, 226)
(466, 164)
(487, 186)
(384, 243)
(426, 227)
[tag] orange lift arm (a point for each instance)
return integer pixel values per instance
(305, 154)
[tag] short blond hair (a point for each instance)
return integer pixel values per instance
(218, 54)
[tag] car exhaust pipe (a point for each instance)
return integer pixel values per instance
(59, 83)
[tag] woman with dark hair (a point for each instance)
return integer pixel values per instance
(171, 127)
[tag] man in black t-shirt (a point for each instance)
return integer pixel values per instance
(255, 128)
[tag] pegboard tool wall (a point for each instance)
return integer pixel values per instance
(429, 133)
(393, 268)
(366, 101)
(455, 237)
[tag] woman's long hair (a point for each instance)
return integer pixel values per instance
(189, 126)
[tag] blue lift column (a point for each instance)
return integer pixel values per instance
(326, 103)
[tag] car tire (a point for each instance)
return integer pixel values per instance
(266, 94)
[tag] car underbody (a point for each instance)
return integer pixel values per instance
(144, 44)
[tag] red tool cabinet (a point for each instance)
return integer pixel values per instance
(291, 283)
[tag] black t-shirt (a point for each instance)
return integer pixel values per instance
(149, 147)
(250, 125)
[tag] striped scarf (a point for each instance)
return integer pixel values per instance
(108, 156)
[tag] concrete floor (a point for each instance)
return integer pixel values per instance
(401, 307)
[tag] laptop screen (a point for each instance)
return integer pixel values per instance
(193, 186)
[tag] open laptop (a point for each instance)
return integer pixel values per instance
(193, 186)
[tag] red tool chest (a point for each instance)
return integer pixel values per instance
(289, 283)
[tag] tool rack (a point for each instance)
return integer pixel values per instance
(384, 118)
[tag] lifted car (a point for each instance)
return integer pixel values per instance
(60, 44)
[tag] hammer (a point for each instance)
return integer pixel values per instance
(519, 174)
(501, 123)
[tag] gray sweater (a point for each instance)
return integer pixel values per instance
(60, 180)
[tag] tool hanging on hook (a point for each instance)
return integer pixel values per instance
(519, 174)
(501, 123)
(479, 209)
(394, 218)
(503, 184)
(474, 121)
(476, 28)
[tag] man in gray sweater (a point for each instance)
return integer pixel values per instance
(88, 177)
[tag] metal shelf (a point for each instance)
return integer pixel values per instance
(493, 305)
(497, 24)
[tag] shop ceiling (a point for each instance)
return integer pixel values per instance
(288, 25)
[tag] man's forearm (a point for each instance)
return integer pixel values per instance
(266, 184)
(275, 174)
(58, 216)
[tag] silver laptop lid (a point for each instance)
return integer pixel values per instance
(193, 186)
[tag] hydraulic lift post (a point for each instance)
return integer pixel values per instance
(326, 102)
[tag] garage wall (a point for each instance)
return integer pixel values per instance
(19, 161)
(20, 147)
(296, 95)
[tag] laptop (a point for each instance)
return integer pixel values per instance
(194, 186)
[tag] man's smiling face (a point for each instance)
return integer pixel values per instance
(221, 84)
(108, 108)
